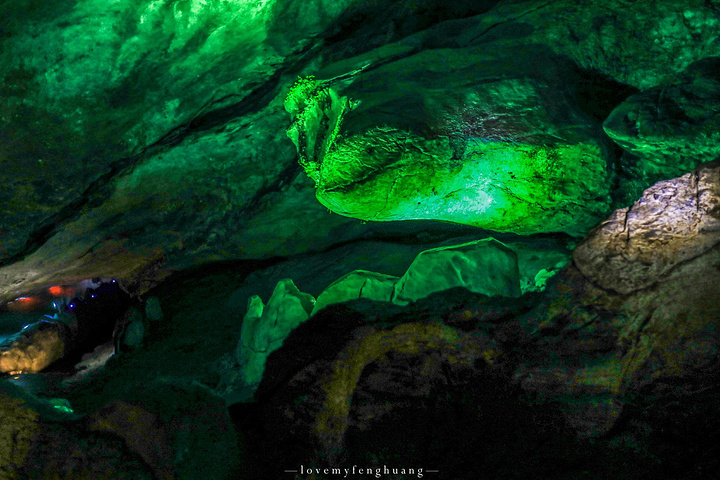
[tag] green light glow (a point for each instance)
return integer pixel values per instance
(388, 174)
(61, 404)
(317, 112)
(472, 163)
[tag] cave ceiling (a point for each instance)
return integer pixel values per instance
(139, 138)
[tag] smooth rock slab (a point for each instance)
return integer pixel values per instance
(357, 284)
(485, 266)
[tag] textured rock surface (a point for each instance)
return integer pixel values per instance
(485, 266)
(500, 148)
(315, 394)
(18, 426)
(357, 284)
(180, 429)
(166, 429)
(147, 134)
(639, 306)
(140, 138)
(618, 367)
(672, 128)
(33, 350)
(265, 327)
(452, 266)
(674, 221)
(153, 309)
(33, 434)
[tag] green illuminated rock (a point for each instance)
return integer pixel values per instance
(357, 284)
(153, 131)
(538, 260)
(673, 128)
(450, 266)
(642, 44)
(265, 327)
(485, 266)
(445, 141)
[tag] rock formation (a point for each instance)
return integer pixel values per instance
(202, 152)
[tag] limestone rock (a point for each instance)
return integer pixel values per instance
(134, 334)
(172, 154)
(357, 284)
(317, 394)
(460, 151)
(639, 305)
(164, 429)
(265, 327)
(538, 260)
(96, 359)
(586, 357)
(484, 266)
(674, 221)
(672, 128)
(18, 426)
(425, 383)
(41, 441)
(35, 348)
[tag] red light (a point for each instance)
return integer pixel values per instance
(24, 304)
(55, 291)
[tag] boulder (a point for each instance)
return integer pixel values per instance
(35, 348)
(181, 429)
(484, 266)
(624, 375)
(672, 128)
(447, 144)
(18, 427)
(43, 439)
(674, 221)
(153, 309)
(318, 393)
(134, 334)
(639, 305)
